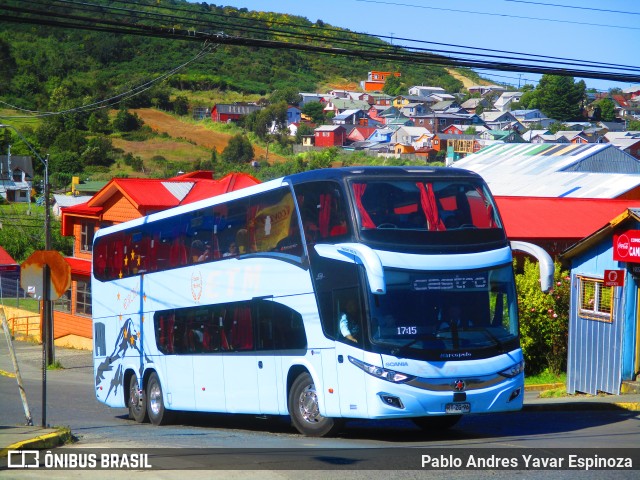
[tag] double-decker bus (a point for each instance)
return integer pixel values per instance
(377, 292)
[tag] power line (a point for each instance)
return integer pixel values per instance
(346, 47)
(604, 10)
(505, 15)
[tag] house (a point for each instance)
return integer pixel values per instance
(461, 145)
(530, 134)
(9, 276)
(483, 90)
(310, 97)
(120, 200)
(422, 91)
(625, 108)
(330, 136)
(531, 117)
(408, 135)
(502, 121)
(506, 100)
(375, 80)
(339, 105)
(381, 99)
(628, 142)
(61, 201)
(448, 106)
(294, 115)
(225, 112)
(349, 117)
(604, 339)
(381, 135)
(402, 100)
(505, 136)
(556, 224)
(413, 109)
(16, 177)
(360, 133)
(473, 104)
(597, 170)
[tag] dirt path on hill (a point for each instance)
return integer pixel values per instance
(466, 82)
(165, 123)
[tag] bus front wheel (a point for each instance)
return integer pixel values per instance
(158, 414)
(137, 401)
(305, 410)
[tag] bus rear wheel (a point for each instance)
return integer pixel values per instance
(305, 409)
(437, 423)
(158, 414)
(137, 401)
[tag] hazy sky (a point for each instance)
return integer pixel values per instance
(586, 30)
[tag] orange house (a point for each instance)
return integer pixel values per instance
(122, 199)
(375, 80)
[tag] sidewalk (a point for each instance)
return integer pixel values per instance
(35, 437)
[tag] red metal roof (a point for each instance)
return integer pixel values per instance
(210, 188)
(558, 218)
(5, 258)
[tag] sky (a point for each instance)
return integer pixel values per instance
(586, 30)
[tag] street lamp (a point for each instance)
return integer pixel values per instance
(47, 318)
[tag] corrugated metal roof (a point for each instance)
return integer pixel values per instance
(555, 170)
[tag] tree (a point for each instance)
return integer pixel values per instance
(633, 125)
(126, 122)
(181, 105)
(315, 110)
(98, 121)
(393, 86)
(560, 98)
(303, 129)
(605, 109)
(238, 150)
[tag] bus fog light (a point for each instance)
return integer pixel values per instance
(392, 401)
(515, 394)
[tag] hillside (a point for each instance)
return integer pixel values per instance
(196, 134)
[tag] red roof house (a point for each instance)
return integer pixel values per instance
(122, 199)
(557, 223)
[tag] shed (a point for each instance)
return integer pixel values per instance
(604, 343)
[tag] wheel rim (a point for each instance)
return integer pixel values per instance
(155, 399)
(308, 405)
(134, 396)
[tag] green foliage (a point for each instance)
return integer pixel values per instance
(126, 121)
(544, 319)
(315, 110)
(558, 97)
(238, 150)
(633, 125)
(393, 86)
(181, 105)
(605, 109)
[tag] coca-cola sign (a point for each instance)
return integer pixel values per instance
(626, 246)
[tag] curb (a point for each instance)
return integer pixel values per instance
(542, 387)
(49, 440)
(581, 406)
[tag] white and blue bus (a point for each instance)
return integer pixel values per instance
(377, 292)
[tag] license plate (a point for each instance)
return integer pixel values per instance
(463, 407)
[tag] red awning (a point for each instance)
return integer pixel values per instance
(79, 266)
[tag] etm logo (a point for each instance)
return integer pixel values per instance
(24, 459)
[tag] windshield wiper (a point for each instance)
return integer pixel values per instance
(403, 348)
(493, 337)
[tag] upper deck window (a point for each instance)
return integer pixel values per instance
(421, 211)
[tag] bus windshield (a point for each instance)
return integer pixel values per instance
(436, 314)
(427, 212)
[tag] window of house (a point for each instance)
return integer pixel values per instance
(83, 298)
(86, 236)
(596, 299)
(17, 175)
(63, 304)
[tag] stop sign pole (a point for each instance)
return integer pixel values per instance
(50, 275)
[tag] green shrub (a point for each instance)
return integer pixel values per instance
(544, 319)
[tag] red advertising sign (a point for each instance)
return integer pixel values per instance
(614, 278)
(626, 246)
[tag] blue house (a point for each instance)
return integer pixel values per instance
(604, 341)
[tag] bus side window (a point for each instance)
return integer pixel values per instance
(241, 334)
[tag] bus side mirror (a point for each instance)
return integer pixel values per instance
(544, 261)
(362, 255)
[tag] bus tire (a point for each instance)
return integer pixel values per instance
(305, 410)
(436, 423)
(137, 401)
(158, 414)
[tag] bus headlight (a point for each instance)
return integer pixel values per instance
(513, 370)
(383, 373)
